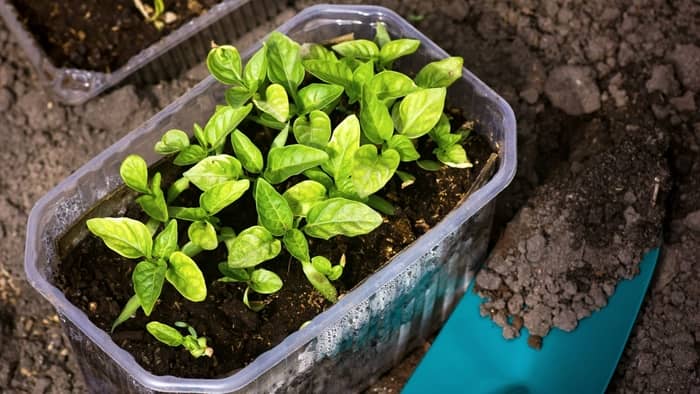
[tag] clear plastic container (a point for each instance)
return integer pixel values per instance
(167, 58)
(370, 328)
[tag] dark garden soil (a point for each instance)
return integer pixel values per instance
(640, 56)
(98, 280)
(98, 35)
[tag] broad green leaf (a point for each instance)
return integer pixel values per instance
(406, 179)
(381, 36)
(453, 156)
(154, 205)
(376, 122)
(296, 244)
(441, 133)
(190, 155)
(245, 150)
(265, 282)
(147, 279)
(280, 139)
(358, 49)
(237, 96)
(276, 103)
(203, 234)
(397, 48)
(214, 170)
(273, 210)
(316, 51)
(128, 237)
(318, 175)
(339, 216)
(223, 195)
(360, 77)
(330, 71)
(127, 312)
(302, 196)
(404, 146)
(320, 282)
(440, 74)
(223, 122)
(316, 96)
(290, 160)
(166, 241)
(390, 85)
(342, 147)
(284, 62)
(173, 141)
(224, 63)
(429, 165)
(372, 171)
(134, 172)
(251, 247)
(187, 213)
(233, 274)
(419, 112)
(164, 333)
(314, 132)
(256, 70)
(184, 274)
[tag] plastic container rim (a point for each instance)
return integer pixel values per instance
(364, 290)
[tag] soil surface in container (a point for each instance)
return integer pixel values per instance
(98, 35)
(98, 281)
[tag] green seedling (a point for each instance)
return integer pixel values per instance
(259, 280)
(155, 14)
(196, 345)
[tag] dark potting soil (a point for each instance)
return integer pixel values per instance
(98, 35)
(98, 281)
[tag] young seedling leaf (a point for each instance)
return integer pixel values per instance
(316, 52)
(173, 141)
(390, 85)
(290, 160)
(429, 165)
(330, 71)
(127, 312)
(358, 49)
(250, 156)
(276, 103)
(224, 63)
(134, 172)
(265, 282)
(419, 112)
(381, 37)
(441, 133)
(302, 196)
(397, 48)
(273, 210)
(322, 265)
(223, 122)
(223, 195)
(296, 244)
(128, 237)
(233, 274)
(453, 156)
(255, 306)
(214, 170)
(166, 241)
(256, 70)
(317, 96)
(147, 279)
(360, 77)
(381, 205)
(187, 213)
(203, 234)
(441, 73)
(314, 132)
(184, 274)
(406, 179)
(190, 155)
(342, 147)
(404, 146)
(376, 122)
(280, 139)
(165, 334)
(251, 247)
(284, 62)
(340, 216)
(320, 282)
(371, 170)
(198, 132)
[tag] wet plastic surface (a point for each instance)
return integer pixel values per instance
(370, 328)
(167, 58)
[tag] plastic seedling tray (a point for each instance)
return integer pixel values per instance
(167, 58)
(370, 328)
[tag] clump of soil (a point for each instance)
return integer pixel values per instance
(99, 282)
(580, 234)
(98, 35)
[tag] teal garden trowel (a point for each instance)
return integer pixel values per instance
(470, 355)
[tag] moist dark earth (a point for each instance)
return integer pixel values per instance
(591, 83)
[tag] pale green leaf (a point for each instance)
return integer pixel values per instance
(147, 279)
(256, 70)
(184, 274)
(317, 96)
(224, 63)
(397, 48)
(165, 334)
(371, 170)
(172, 141)
(251, 247)
(223, 195)
(190, 155)
(214, 170)
(302, 196)
(265, 282)
(391, 85)
(358, 49)
(453, 156)
(245, 150)
(441, 73)
(290, 160)
(273, 210)
(330, 71)
(276, 103)
(376, 122)
(340, 216)
(296, 244)
(223, 122)
(284, 62)
(128, 237)
(419, 112)
(166, 241)
(314, 132)
(404, 146)
(134, 172)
